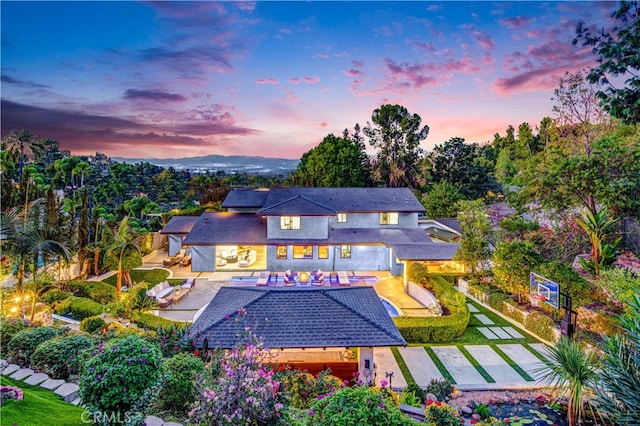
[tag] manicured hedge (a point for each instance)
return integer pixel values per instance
(81, 308)
(152, 322)
(95, 290)
(60, 357)
(435, 329)
(25, 342)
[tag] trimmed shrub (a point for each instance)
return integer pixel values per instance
(95, 290)
(303, 388)
(137, 299)
(435, 329)
(9, 327)
(121, 376)
(93, 324)
(540, 325)
(24, 343)
(511, 309)
(60, 357)
(55, 296)
(358, 405)
(81, 308)
(179, 390)
(152, 322)
(63, 307)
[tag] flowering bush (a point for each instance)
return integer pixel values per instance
(179, 391)
(121, 377)
(10, 392)
(172, 339)
(60, 356)
(355, 406)
(441, 414)
(245, 392)
(302, 388)
(440, 388)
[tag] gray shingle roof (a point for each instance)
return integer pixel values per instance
(432, 251)
(297, 204)
(451, 222)
(349, 199)
(297, 318)
(179, 225)
(245, 198)
(228, 228)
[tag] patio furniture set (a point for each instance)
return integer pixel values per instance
(290, 279)
(246, 257)
(182, 259)
(166, 295)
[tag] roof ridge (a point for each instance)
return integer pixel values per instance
(376, 325)
(298, 196)
(260, 295)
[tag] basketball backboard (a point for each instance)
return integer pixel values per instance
(548, 291)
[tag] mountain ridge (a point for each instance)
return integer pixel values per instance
(226, 163)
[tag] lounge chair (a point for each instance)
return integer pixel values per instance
(263, 279)
(317, 278)
(289, 279)
(181, 255)
(186, 261)
(343, 278)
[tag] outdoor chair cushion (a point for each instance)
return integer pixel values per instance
(151, 292)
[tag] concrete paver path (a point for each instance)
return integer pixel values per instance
(486, 332)
(493, 364)
(501, 333)
(420, 364)
(484, 319)
(542, 349)
(462, 371)
(386, 362)
(513, 332)
(525, 359)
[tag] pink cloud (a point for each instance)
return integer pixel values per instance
(323, 55)
(267, 81)
(515, 22)
(311, 80)
(484, 39)
(294, 80)
(352, 72)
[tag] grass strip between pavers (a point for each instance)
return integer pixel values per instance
(403, 366)
(512, 363)
(441, 368)
(475, 363)
(539, 355)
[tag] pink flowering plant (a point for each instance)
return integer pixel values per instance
(239, 389)
(441, 414)
(10, 392)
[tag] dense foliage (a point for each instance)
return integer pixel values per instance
(60, 357)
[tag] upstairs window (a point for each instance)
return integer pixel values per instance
(342, 218)
(389, 218)
(290, 222)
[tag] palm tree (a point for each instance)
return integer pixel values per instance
(123, 255)
(26, 244)
(618, 389)
(572, 371)
(23, 141)
(597, 226)
(35, 289)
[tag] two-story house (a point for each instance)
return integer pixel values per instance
(357, 229)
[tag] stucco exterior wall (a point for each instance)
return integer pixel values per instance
(175, 244)
(372, 220)
(363, 258)
(203, 259)
(311, 227)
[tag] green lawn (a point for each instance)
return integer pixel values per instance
(39, 407)
(152, 276)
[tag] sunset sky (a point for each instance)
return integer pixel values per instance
(165, 79)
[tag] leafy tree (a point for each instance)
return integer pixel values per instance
(442, 200)
(618, 51)
(512, 263)
(572, 370)
(25, 142)
(465, 165)
(618, 384)
(477, 234)
(396, 134)
(335, 162)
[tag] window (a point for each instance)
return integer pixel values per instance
(303, 252)
(281, 252)
(342, 217)
(345, 252)
(390, 218)
(289, 222)
(323, 252)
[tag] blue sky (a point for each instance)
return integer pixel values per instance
(175, 79)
